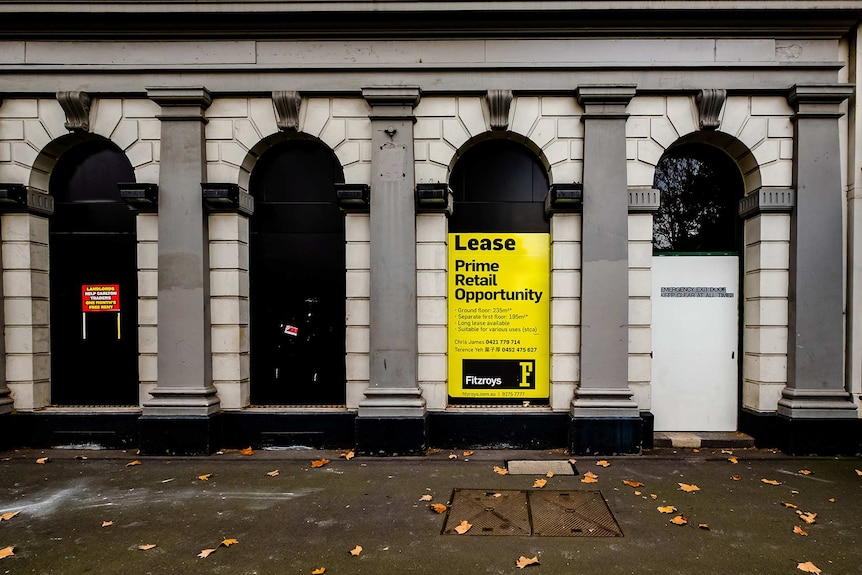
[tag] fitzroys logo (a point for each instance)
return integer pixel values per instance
(499, 373)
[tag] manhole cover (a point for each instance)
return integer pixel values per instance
(542, 513)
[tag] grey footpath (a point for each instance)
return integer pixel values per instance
(306, 517)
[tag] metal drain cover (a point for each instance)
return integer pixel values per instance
(541, 513)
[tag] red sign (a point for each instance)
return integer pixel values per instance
(100, 298)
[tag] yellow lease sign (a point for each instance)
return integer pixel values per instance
(499, 316)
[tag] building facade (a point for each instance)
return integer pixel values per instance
(290, 223)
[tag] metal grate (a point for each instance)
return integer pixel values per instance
(540, 513)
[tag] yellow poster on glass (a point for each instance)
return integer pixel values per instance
(499, 316)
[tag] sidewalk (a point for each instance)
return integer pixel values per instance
(304, 518)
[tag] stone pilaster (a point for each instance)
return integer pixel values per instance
(605, 418)
(181, 417)
(391, 418)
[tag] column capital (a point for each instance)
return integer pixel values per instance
(606, 100)
(395, 102)
(181, 102)
(818, 100)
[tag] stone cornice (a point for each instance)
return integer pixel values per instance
(605, 101)
(181, 102)
(767, 200)
(819, 100)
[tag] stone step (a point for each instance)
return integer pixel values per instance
(698, 439)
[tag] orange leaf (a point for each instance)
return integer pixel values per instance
(790, 505)
(695, 450)
(831, 500)
(453, 456)
(81, 457)
(808, 517)
(735, 477)
(679, 520)
(467, 453)
(733, 460)
(319, 571)
(808, 567)
(463, 527)
(858, 472)
(107, 523)
(653, 495)
(588, 479)
(229, 542)
(688, 488)
(799, 530)
(703, 526)
(272, 473)
(805, 472)
(42, 460)
(438, 507)
(573, 461)
(7, 552)
(727, 451)
(591, 474)
(497, 495)
(205, 476)
(356, 551)
(8, 516)
(771, 481)
(146, 546)
(637, 492)
(133, 463)
(549, 474)
(523, 561)
(501, 470)
(205, 553)
(319, 462)
(348, 455)
(666, 509)
(632, 483)
(426, 498)
(540, 483)
(603, 463)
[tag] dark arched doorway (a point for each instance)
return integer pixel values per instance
(297, 277)
(696, 290)
(94, 347)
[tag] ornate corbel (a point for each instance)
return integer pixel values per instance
(286, 104)
(76, 105)
(499, 102)
(709, 104)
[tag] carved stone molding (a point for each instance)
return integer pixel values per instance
(286, 104)
(767, 199)
(643, 199)
(76, 105)
(709, 104)
(499, 103)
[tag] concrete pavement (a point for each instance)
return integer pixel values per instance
(304, 518)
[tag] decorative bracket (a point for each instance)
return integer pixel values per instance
(76, 105)
(431, 198)
(643, 199)
(709, 104)
(140, 197)
(499, 103)
(353, 197)
(767, 199)
(17, 198)
(226, 198)
(286, 104)
(564, 198)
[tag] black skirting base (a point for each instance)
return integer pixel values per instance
(161, 435)
(287, 429)
(7, 432)
(803, 436)
(447, 430)
(101, 429)
(606, 435)
(391, 435)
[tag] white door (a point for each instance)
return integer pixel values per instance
(695, 334)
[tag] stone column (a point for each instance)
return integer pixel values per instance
(605, 418)
(815, 399)
(182, 416)
(391, 418)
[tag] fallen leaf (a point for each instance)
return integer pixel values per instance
(348, 455)
(7, 552)
(771, 481)
(426, 498)
(146, 546)
(588, 479)
(540, 483)
(497, 495)
(523, 561)
(272, 473)
(319, 571)
(438, 507)
(666, 509)
(591, 474)
(695, 450)
(805, 472)
(463, 527)
(703, 526)
(205, 476)
(831, 500)
(790, 505)
(81, 457)
(637, 492)
(133, 463)
(808, 567)
(501, 470)
(735, 477)
(453, 456)
(8, 516)
(319, 462)
(733, 460)
(799, 530)
(549, 474)
(573, 461)
(679, 520)
(356, 551)
(107, 523)
(247, 451)
(688, 488)
(467, 453)
(858, 472)
(632, 483)
(603, 463)
(42, 460)
(727, 451)
(653, 495)
(205, 553)
(808, 517)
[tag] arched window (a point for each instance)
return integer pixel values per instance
(700, 187)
